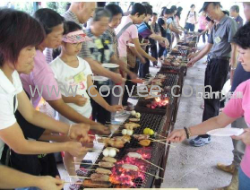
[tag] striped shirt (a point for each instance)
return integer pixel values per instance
(70, 16)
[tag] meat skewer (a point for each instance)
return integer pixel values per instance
(160, 141)
(109, 159)
(95, 177)
(101, 164)
(135, 168)
(139, 156)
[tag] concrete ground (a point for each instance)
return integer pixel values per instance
(189, 167)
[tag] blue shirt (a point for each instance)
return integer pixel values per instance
(240, 75)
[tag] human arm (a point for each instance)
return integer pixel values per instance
(99, 99)
(200, 55)
(39, 119)
(99, 70)
(233, 61)
(214, 123)
(19, 180)
(141, 51)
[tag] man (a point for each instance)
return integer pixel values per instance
(238, 75)
(80, 13)
(218, 48)
(234, 12)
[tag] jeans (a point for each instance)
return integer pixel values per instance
(239, 146)
(28, 188)
(215, 76)
(190, 27)
(203, 36)
(244, 181)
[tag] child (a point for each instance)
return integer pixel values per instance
(72, 71)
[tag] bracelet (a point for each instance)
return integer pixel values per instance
(69, 130)
(187, 134)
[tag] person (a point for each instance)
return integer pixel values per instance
(177, 18)
(237, 107)
(101, 48)
(156, 30)
(42, 77)
(22, 180)
(80, 12)
(219, 49)
(202, 26)
(234, 12)
(146, 35)
(163, 27)
(16, 55)
(69, 69)
(116, 17)
(238, 75)
(127, 32)
(191, 19)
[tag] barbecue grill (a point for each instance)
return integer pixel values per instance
(158, 124)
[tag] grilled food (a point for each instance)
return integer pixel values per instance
(94, 184)
(130, 167)
(140, 137)
(106, 164)
(103, 171)
(131, 125)
(145, 142)
(99, 177)
(109, 159)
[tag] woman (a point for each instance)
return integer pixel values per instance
(101, 48)
(16, 55)
(191, 19)
(202, 26)
(177, 18)
(237, 107)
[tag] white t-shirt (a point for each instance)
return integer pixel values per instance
(76, 78)
(8, 92)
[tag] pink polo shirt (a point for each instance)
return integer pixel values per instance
(43, 78)
(130, 33)
(239, 107)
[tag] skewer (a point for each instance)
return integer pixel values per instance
(156, 176)
(79, 177)
(86, 163)
(152, 164)
(77, 183)
(166, 143)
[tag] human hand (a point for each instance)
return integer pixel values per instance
(79, 100)
(177, 136)
(100, 129)
(79, 132)
(47, 182)
(245, 137)
(115, 108)
(152, 59)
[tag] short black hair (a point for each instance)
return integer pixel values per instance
(149, 9)
(70, 26)
(179, 9)
(138, 8)
(48, 19)
(193, 5)
(173, 7)
(168, 11)
(226, 12)
(235, 8)
(100, 13)
(18, 30)
(114, 9)
(155, 14)
(209, 19)
(162, 10)
(242, 36)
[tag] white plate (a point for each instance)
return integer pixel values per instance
(226, 132)
(99, 78)
(110, 65)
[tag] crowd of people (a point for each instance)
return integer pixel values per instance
(52, 53)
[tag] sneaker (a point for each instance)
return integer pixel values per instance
(199, 141)
(227, 168)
